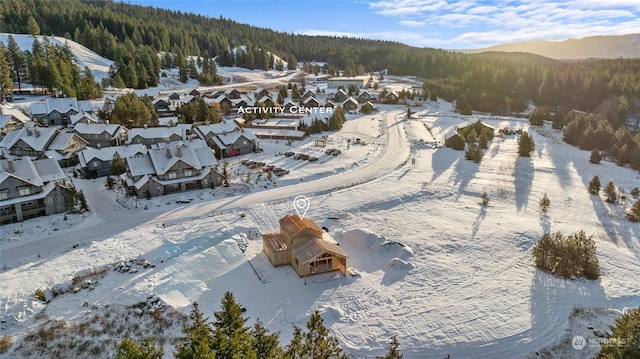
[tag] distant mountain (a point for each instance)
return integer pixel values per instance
(607, 47)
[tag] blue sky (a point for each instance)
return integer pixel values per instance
(427, 23)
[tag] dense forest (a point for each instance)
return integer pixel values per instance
(132, 35)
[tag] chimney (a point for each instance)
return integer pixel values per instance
(36, 130)
(168, 151)
(179, 151)
(10, 167)
(28, 130)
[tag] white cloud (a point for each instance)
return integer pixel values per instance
(475, 23)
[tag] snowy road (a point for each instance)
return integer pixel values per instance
(114, 222)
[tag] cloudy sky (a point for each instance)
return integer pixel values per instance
(428, 23)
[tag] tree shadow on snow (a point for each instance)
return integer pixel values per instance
(545, 222)
(554, 299)
(442, 159)
(464, 172)
(523, 173)
(478, 221)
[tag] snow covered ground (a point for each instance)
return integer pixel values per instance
(434, 267)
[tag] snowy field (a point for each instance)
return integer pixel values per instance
(434, 267)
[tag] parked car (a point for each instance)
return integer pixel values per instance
(289, 153)
(280, 171)
(250, 163)
(304, 157)
(268, 168)
(329, 151)
(333, 152)
(312, 159)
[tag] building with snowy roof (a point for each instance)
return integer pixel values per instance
(96, 162)
(172, 167)
(31, 189)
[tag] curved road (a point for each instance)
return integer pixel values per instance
(114, 219)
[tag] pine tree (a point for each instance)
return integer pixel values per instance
(231, 336)
(525, 145)
(16, 59)
(197, 342)
(596, 157)
(392, 349)
(545, 203)
(624, 340)
(635, 192)
(128, 349)
(6, 82)
(634, 212)
(485, 198)
(610, 192)
(118, 165)
(318, 342)
(83, 201)
(266, 346)
(594, 185)
(32, 26)
(295, 350)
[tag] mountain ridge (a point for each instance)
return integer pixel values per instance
(600, 46)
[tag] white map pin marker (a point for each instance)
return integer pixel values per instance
(301, 205)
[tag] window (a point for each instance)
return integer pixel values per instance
(24, 191)
(187, 172)
(172, 174)
(94, 164)
(4, 194)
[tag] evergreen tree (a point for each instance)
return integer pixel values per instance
(118, 165)
(16, 60)
(128, 349)
(266, 346)
(525, 145)
(596, 157)
(118, 82)
(594, 185)
(624, 340)
(183, 70)
(392, 350)
(318, 342)
(231, 336)
(485, 198)
(83, 201)
(545, 203)
(32, 26)
(409, 113)
(634, 212)
(610, 192)
(295, 350)
(197, 342)
(635, 192)
(6, 82)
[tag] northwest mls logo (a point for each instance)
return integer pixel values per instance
(280, 110)
(578, 342)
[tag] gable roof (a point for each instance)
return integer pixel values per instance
(75, 118)
(140, 165)
(294, 225)
(62, 105)
(36, 173)
(35, 137)
(218, 128)
(194, 153)
(63, 139)
(106, 153)
(314, 247)
(97, 128)
(156, 132)
(14, 112)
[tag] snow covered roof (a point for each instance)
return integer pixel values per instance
(157, 132)
(106, 153)
(8, 109)
(74, 119)
(97, 128)
(36, 172)
(218, 128)
(60, 104)
(193, 153)
(187, 98)
(63, 140)
(36, 137)
(231, 137)
(140, 165)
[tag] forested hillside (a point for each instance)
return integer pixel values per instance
(132, 35)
